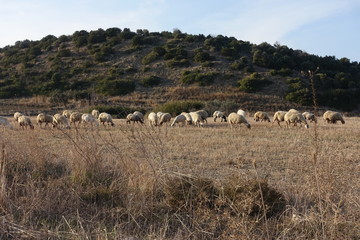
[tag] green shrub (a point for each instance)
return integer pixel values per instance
(208, 64)
(118, 111)
(177, 107)
(115, 87)
(240, 64)
(253, 83)
(201, 56)
(202, 79)
(301, 96)
(150, 81)
(149, 58)
(64, 52)
(178, 63)
(282, 72)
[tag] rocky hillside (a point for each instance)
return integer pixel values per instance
(147, 69)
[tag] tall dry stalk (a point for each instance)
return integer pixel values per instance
(316, 146)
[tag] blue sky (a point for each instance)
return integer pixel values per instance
(320, 27)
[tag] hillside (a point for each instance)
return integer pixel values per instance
(146, 69)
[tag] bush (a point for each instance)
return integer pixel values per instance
(282, 72)
(240, 64)
(118, 111)
(177, 107)
(201, 56)
(178, 63)
(253, 83)
(115, 87)
(64, 53)
(301, 96)
(151, 57)
(202, 79)
(150, 81)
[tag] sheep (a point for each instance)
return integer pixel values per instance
(179, 119)
(159, 114)
(95, 113)
(87, 118)
(293, 111)
(44, 118)
(235, 118)
(295, 117)
(4, 122)
(67, 113)
(221, 115)
(261, 116)
(105, 118)
(333, 117)
(75, 117)
(60, 120)
(197, 119)
(153, 119)
(241, 112)
(140, 115)
(133, 118)
(164, 118)
(203, 114)
(188, 117)
(17, 115)
(278, 117)
(326, 116)
(310, 116)
(25, 121)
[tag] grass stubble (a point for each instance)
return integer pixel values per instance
(138, 182)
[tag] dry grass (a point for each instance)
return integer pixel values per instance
(181, 183)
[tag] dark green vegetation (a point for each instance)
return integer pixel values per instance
(115, 62)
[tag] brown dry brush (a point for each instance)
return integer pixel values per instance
(105, 184)
(91, 183)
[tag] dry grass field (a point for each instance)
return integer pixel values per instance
(138, 182)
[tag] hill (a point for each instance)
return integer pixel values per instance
(145, 69)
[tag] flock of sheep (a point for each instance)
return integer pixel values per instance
(197, 118)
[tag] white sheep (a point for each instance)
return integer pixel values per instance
(241, 112)
(203, 114)
(75, 117)
(310, 117)
(95, 113)
(164, 118)
(4, 122)
(219, 114)
(17, 115)
(188, 117)
(140, 115)
(159, 114)
(105, 118)
(153, 119)
(333, 117)
(261, 116)
(326, 116)
(24, 122)
(44, 118)
(293, 111)
(133, 118)
(179, 119)
(295, 117)
(279, 117)
(87, 118)
(67, 113)
(197, 119)
(60, 120)
(235, 118)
